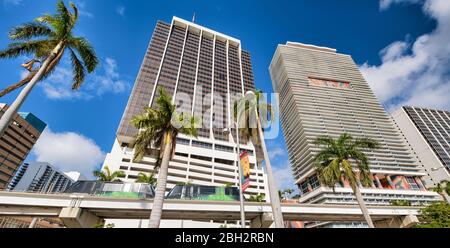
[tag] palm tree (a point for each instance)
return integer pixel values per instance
(442, 188)
(246, 113)
(258, 198)
(46, 39)
(148, 179)
(159, 129)
(105, 175)
(333, 165)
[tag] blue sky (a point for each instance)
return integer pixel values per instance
(387, 39)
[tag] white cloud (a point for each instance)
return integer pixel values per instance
(120, 10)
(384, 4)
(283, 177)
(68, 151)
(106, 79)
(415, 73)
(276, 153)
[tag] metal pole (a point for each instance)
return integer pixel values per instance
(241, 193)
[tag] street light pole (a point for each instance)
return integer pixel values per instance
(238, 153)
(241, 193)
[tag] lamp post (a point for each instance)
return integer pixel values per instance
(241, 193)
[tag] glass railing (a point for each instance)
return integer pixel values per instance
(112, 189)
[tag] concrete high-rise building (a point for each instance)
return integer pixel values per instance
(41, 178)
(16, 143)
(322, 92)
(428, 133)
(204, 70)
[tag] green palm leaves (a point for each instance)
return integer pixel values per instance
(250, 109)
(107, 176)
(148, 179)
(37, 39)
(155, 123)
(333, 162)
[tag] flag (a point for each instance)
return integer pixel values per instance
(245, 169)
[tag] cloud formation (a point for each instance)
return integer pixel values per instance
(105, 80)
(68, 151)
(415, 72)
(283, 177)
(276, 153)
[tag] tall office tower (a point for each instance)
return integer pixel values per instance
(322, 92)
(428, 133)
(201, 69)
(40, 177)
(16, 143)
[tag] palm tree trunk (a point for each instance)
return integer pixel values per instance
(362, 205)
(160, 192)
(30, 76)
(12, 110)
(18, 84)
(273, 191)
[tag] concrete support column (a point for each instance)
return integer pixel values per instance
(74, 217)
(264, 220)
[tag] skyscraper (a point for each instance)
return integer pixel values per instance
(322, 92)
(203, 70)
(17, 141)
(428, 133)
(40, 177)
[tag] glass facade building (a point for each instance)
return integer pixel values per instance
(16, 143)
(322, 92)
(204, 71)
(428, 133)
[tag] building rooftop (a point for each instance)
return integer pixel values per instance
(34, 121)
(312, 47)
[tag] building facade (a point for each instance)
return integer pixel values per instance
(16, 143)
(40, 178)
(205, 71)
(428, 133)
(322, 92)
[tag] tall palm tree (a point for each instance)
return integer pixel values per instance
(159, 128)
(46, 39)
(148, 179)
(333, 165)
(106, 175)
(247, 112)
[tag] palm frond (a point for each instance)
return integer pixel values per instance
(74, 16)
(86, 51)
(142, 142)
(29, 30)
(64, 24)
(17, 49)
(78, 71)
(164, 102)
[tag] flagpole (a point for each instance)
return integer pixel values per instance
(241, 193)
